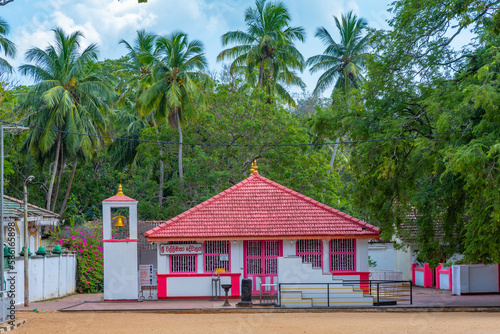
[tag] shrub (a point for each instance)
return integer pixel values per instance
(89, 253)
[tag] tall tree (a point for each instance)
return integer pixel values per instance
(341, 63)
(6, 47)
(445, 185)
(267, 46)
(67, 103)
(138, 68)
(177, 90)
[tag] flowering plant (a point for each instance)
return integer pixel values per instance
(89, 252)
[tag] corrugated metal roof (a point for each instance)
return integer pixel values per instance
(13, 209)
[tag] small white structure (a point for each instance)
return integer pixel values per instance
(475, 278)
(120, 254)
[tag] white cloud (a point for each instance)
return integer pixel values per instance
(107, 22)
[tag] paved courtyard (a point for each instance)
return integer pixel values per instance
(422, 298)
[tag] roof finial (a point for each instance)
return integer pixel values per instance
(252, 170)
(120, 192)
(255, 166)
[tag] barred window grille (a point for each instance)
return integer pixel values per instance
(342, 255)
(310, 251)
(183, 263)
(213, 250)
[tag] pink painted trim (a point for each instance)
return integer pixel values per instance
(205, 255)
(438, 279)
(196, 275)
(350, 273)
(162, 283)
(450, 277)
(440, 270)
(340, 253)
(427, 276)
(183, 272)
(263, 257)
(364, 286)
(198, 297)
(235, 282)
(310, 253)
(120, 240)
(245, 275)
(413, 268)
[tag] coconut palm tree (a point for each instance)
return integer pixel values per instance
(6, 47)
(266, 45)
(67, 103)
(177, 90)
(341, 63)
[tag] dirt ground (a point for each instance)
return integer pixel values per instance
(335, 322)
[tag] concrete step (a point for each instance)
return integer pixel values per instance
(303, 302)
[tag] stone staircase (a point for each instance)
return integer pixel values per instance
(308, 290)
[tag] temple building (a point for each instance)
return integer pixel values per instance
(243, 231)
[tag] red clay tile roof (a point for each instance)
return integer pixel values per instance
(260, 208)
(119, 199)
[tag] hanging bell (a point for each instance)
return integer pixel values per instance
(119, 222)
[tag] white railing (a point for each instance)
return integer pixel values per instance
(384, 274)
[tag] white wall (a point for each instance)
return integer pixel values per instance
(389, 258)
(289, 247)
(361, 254)
(237, 264)
(49, 277)
(444, 281)
(120, 271)
(475, 278)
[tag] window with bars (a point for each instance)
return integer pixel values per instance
(342, 255)
(216, 255)
(310, 251)
(183, 263)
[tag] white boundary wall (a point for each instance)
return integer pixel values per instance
(475, 278)
(49, 277)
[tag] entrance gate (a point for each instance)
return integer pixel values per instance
(261, 263)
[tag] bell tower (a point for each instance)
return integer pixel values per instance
(120, 249)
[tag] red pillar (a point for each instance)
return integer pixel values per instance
(438, 281)
(427, 276)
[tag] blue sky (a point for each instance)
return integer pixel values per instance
(106, 22)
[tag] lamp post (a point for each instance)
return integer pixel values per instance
(26, 244)
(2, 237)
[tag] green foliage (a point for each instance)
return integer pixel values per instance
(7, 47)
(89, 252)
(341, 62)
(438, 192)
(266, 50)
(232, 118)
